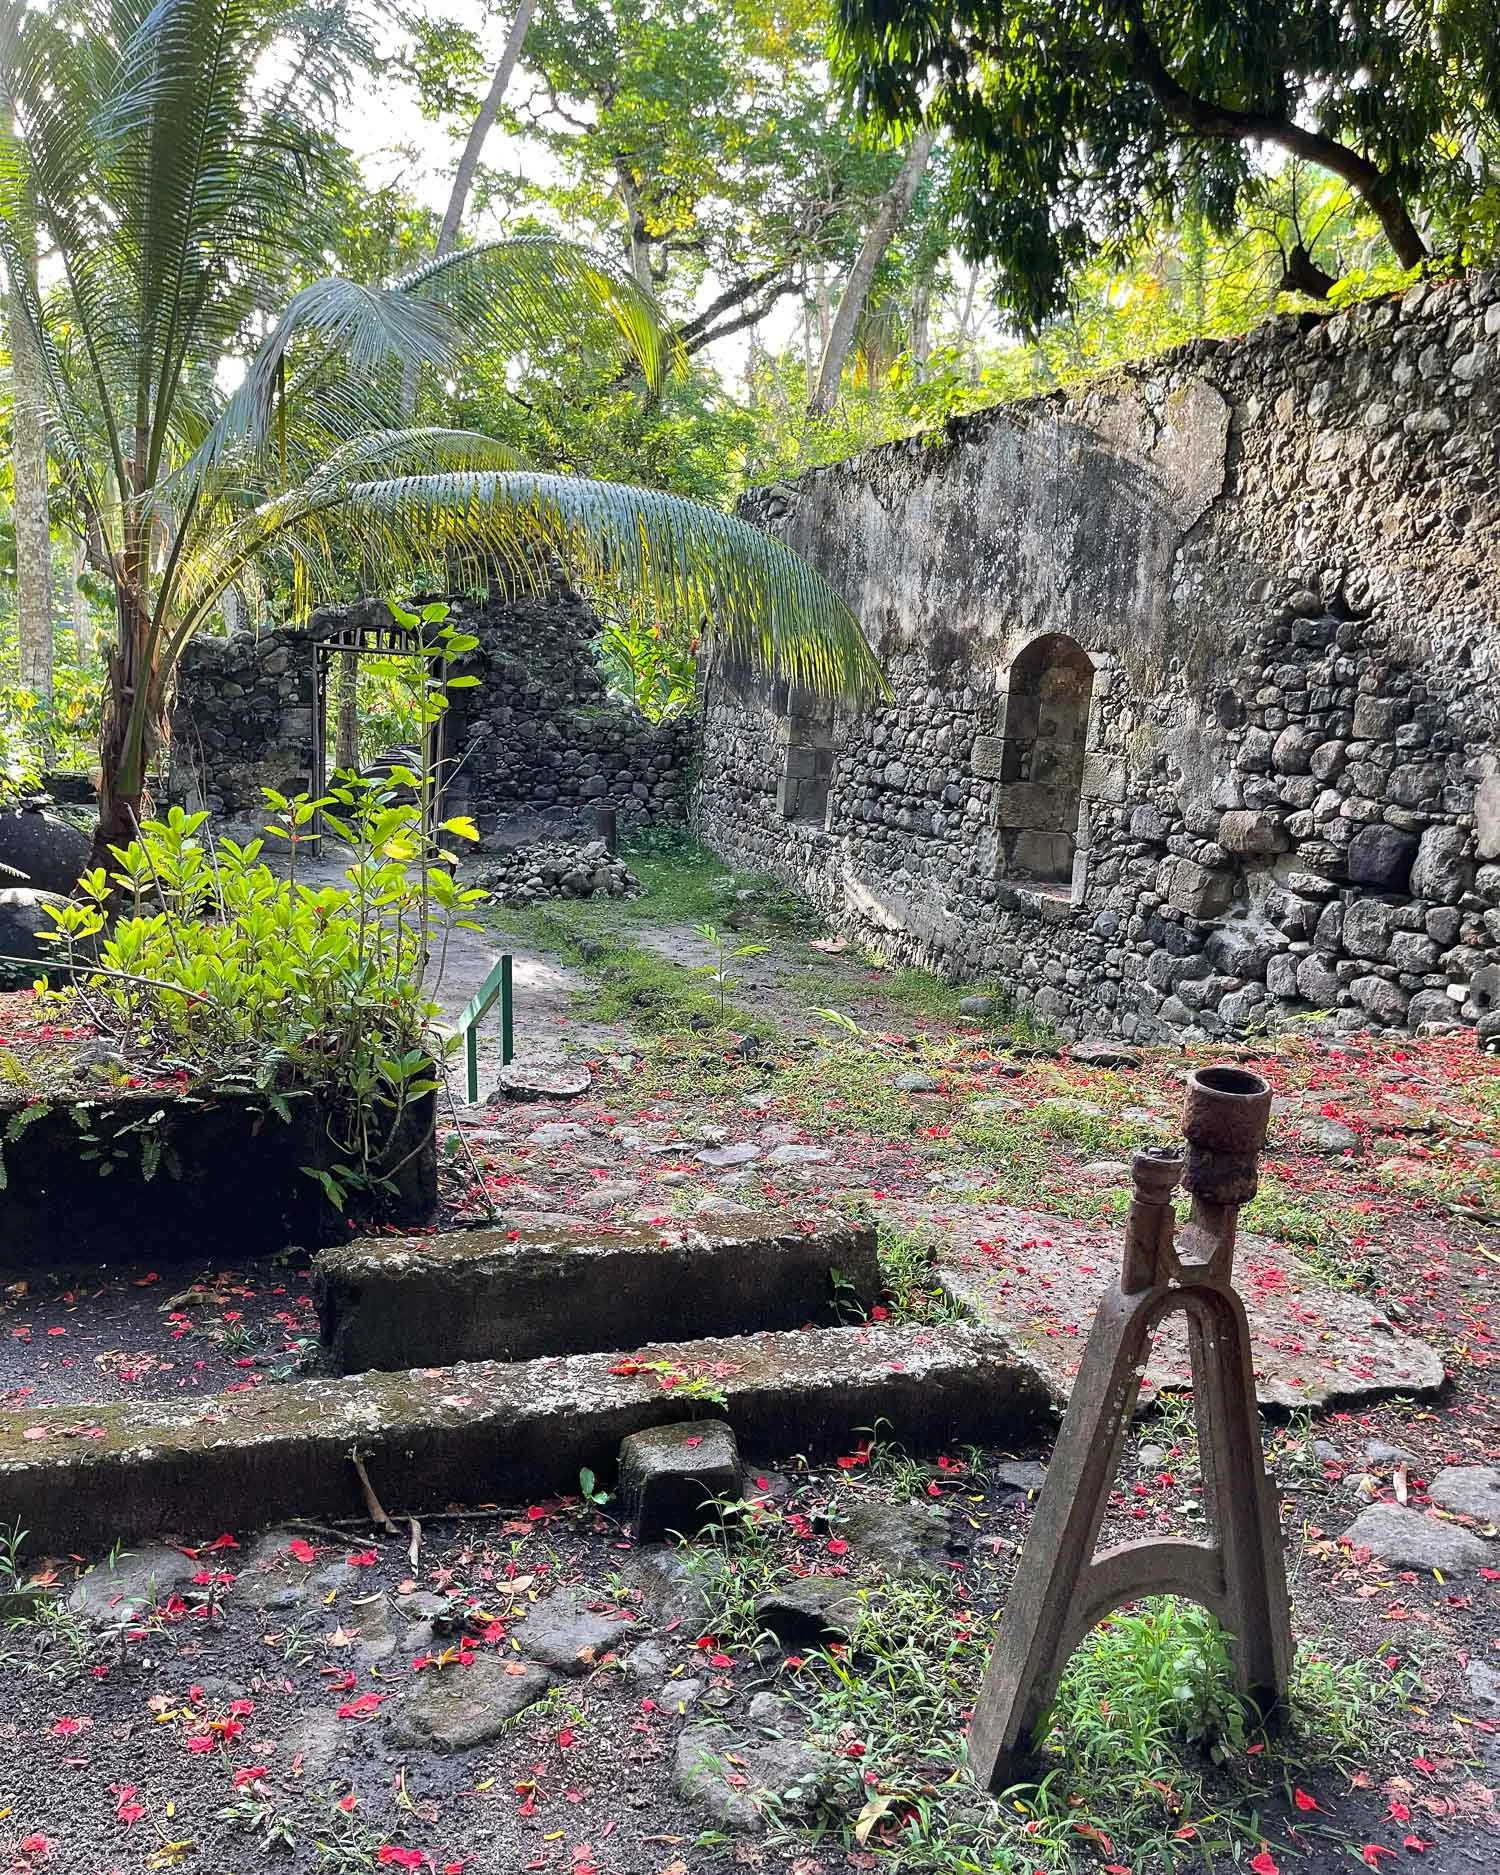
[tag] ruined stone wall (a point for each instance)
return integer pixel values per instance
(1280, 556)
(242, 721)
(538, 735)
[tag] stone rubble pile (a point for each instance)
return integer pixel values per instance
(543, 869)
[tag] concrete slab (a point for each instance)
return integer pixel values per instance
(514, 1294)
(1037, 1280)
(490, 1432)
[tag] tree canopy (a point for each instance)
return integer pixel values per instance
(1076, 123)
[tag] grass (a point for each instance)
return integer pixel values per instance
(908, 1269)
(1318, 1231)
(1145, 1760)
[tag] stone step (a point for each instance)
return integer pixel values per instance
(83, 1479)
(514, 1295)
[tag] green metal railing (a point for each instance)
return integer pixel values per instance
(496, 984)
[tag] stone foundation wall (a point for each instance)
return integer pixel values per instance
(1279, 558)
(539, 734)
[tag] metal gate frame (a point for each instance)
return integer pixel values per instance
(376, 638)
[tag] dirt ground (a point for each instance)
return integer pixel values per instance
(246, 1713)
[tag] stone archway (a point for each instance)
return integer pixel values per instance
(1045, 743)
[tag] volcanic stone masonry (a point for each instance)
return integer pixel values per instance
(1194, 686)
(539, 734)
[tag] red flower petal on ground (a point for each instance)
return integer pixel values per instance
(566, 1737)
(37, 1845)
(361, 1707)
(1304, 1802)
(1264, 1863)
(389, 1856)
(200, 1743)
(250, 1774)
(1372, 1852)
(362, 1559)
(301, 1549)
(837, 1546)
(69, 1727)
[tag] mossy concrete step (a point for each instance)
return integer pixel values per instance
(77, 1479)
(514, 1295)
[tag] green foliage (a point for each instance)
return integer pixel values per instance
(182, 196)
(1075, 124)
(251, 980)
(641, 666)
(1143, 1764)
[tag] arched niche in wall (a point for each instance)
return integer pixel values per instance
(1043, 747)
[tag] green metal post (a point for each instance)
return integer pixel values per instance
(471, 1062)
(507, 1012)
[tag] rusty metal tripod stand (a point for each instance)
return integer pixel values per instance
(1062, 1587)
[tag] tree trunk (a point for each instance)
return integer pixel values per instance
(33, 526)
(346, 735)
(921, 328)
(484, 123)
(468, 164)
(888, 218)
(78, 605)
(128, 733)
(637, 245)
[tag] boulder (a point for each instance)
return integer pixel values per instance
(1243, 948)
(1367, 928)
(1384, 1000)
(115, 1593)
(23, 919)
(42, 851)
(1199, 891)
(809, 1611)
(1251, 833)
(1469, 1491)
(901, 1539)
(1382, 857)
(461, 1707)
(1317, 982)
(562, 1634)
(1408, 1539)
(742, 1783)
(1442, 871)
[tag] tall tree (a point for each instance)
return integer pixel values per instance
(174, 154)
(29, 461)
(1076, 122)
(479, 130)
(893, 210)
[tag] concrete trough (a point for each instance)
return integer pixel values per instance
(82, 1479)
(514, 1295)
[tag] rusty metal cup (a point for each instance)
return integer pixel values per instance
(1224, 1121)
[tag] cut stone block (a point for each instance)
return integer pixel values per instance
(488, 1431)
(397, 1302)
(671, 1476)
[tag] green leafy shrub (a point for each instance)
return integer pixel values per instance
(246, 979)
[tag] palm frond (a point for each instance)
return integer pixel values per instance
(524, 288)
(687, 567)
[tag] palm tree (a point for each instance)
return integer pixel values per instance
(172, 154)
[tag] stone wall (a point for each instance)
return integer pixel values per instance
(1194, 685)
(242, 721)
(538, 736)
